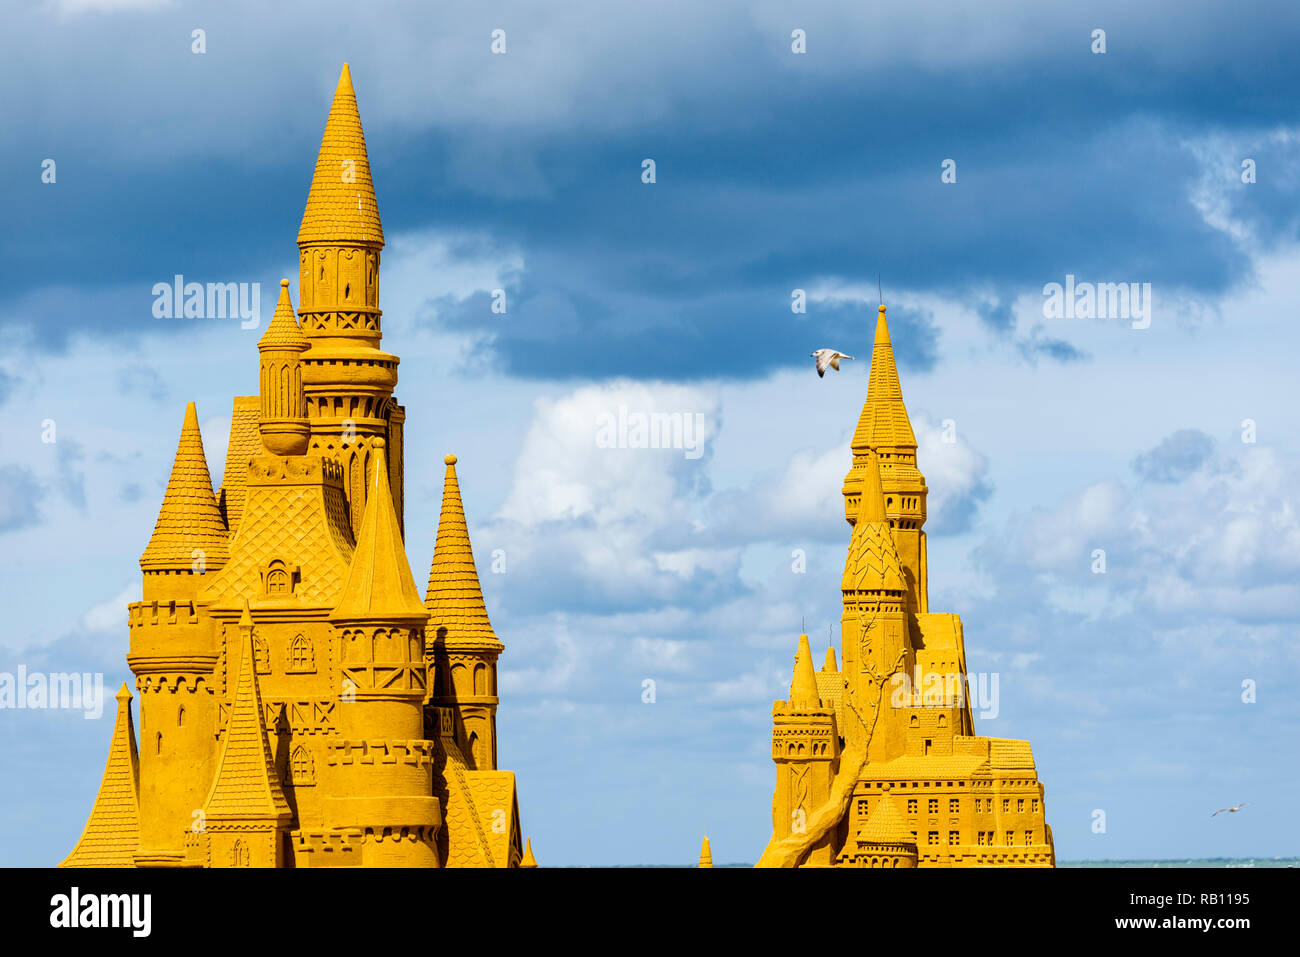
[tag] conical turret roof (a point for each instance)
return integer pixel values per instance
(379, 584)
(706, 855)
(246, 786)
(189, 518)
(873, 562)
(885, 825)
(454, 596)
(283, 331)
(341, 207)
(112, 832)
(884, 422)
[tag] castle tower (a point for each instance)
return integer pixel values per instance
(112, 831)
(805, 747)
(283, 422)
(884, 840)
(874, 623)
(462, 648)
(885, 428)
(382, 761)
(348, 380)
(173, 652)
(245, 818)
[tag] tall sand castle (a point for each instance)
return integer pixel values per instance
(300, 704)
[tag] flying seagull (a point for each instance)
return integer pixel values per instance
(828, 357)
(1231, 810)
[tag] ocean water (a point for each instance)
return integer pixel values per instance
(1193, 862)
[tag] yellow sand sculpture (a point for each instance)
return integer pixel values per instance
(877, 763)
(300, 704)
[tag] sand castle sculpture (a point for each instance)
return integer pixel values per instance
(300, 704)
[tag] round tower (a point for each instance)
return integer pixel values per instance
(461, 645)
(383, 764)
(348, 380)
(283, 423)
(173, 652)
(885, 430)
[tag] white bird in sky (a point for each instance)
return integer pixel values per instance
(1231, 810)
(828, 357)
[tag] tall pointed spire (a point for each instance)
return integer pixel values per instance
(830, 666)
(454, 596)
(341, 206)
(706, 854)
(112, 832)
(246, 786)
(873, 563)
(803, 689)
(884, 422)
(379, 583)
(189, 519)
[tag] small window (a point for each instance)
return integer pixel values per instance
(934, 838)
(933, 806)
(1020, 805)
(953, 804)
(911, 805)
(953, 838)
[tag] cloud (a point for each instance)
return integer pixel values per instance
(1176, 457)
(109, 616)
(20, 494)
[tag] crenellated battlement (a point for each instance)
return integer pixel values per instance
(416, 753)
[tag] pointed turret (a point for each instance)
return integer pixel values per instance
(246, 786)
(803, 689)
(112, 832)
(885, 825)
(706, 856)
(189, 534)
(283, 423)
(830, 666)
(347, 380)
(454, 596)
(341, 206)
(884, 422)
(528, 859)
(873, 563)
(283, 331)
(885, 430)
(379, 584)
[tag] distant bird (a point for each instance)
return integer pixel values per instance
(828, 357)
(1231, 810)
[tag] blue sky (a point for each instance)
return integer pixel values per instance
(775, 171)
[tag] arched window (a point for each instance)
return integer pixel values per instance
(158, 744)
(915, 722)
(302, 767)
(943, 721)
(180, 716)
(480, 679)
(239, 855)
(301, 654)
